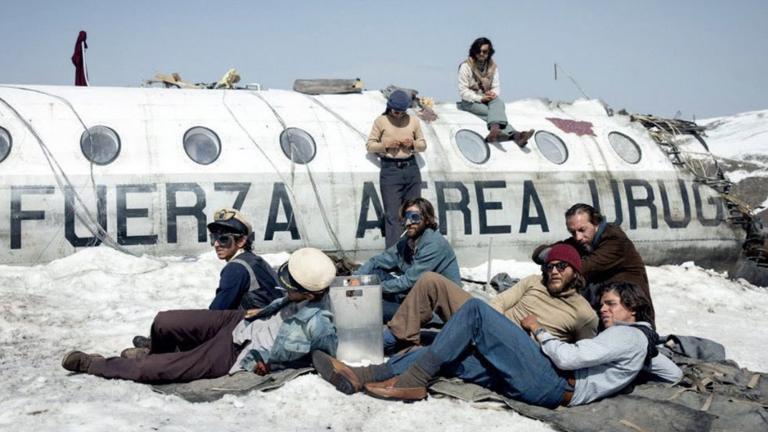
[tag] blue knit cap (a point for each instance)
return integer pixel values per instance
(399, 101)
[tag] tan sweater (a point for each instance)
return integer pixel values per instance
(568, 317)
(386, 131)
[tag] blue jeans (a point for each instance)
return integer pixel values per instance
(482, 346)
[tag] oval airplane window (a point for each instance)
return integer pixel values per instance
(100, 144)
(625, 147)
(472, 146)
(298, 145)
(5, 144)
(552, 147)
(202, 145)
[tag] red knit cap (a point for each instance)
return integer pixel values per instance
(566, 253)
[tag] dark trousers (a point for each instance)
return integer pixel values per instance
(399, 181)
(204, 342)
(482, 346)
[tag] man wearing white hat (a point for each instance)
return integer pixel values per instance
(188, 345)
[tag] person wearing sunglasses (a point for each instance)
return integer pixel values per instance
(523, 362)
(395, 138)
(552, 295)
(195, 344)
(606, 251)
(420, 249)
(246, 281)
(479, 89)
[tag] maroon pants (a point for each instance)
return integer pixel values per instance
(204, 342)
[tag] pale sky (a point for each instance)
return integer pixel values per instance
(702, 58)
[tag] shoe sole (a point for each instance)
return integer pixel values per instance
(392, 399)
(324, 367)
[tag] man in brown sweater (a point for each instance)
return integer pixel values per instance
(553, 296)
(607, 254)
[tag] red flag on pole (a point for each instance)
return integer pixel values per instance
(78, 59)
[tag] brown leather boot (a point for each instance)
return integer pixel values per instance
(337, 373)
(493, 136)
(521, 138)
(78, 361)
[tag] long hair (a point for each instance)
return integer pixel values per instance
(595, 218)
(425, 208)
(474, 49)
(632, 298)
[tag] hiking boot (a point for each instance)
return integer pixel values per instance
(134, 353)
(337, 373)
(388, 390)
(493, 136)
(78, 361)
(141, 342)
(521, 138)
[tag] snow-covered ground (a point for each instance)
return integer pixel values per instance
(739, 135)
(98, 299)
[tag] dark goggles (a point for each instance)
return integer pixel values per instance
(412, 218)
(561, 266)
(225, 239)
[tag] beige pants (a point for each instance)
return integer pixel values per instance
(431, 293)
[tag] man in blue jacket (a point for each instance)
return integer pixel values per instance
(195, 344)
(421, 249)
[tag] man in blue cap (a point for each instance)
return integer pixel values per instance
(395, 138)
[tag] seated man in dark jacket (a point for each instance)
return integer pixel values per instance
(607, 254)
(247, 281)
(423, 249)
(195, 344)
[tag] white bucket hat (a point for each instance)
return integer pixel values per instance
(307, 269)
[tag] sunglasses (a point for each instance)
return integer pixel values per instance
(412, 218)
(561, 266)
(484, 51)
(225, 240)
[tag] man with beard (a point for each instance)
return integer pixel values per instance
(553, 296)
(607, 254)
(422, 249)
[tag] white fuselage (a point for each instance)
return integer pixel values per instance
(153, 198)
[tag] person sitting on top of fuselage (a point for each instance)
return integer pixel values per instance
(422, 249)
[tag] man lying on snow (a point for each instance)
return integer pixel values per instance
(552, 295)
(193, 344)
(481, 346)
(607, 254)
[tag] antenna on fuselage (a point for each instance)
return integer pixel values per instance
(557, 66)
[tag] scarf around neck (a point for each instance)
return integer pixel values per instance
(482, 73)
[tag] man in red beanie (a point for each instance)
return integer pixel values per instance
(553, 296)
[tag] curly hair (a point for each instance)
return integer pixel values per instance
(425, 208)
(632, 298)
(595, 218)
(474, 49)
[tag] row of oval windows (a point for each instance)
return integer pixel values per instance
(101, 145)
